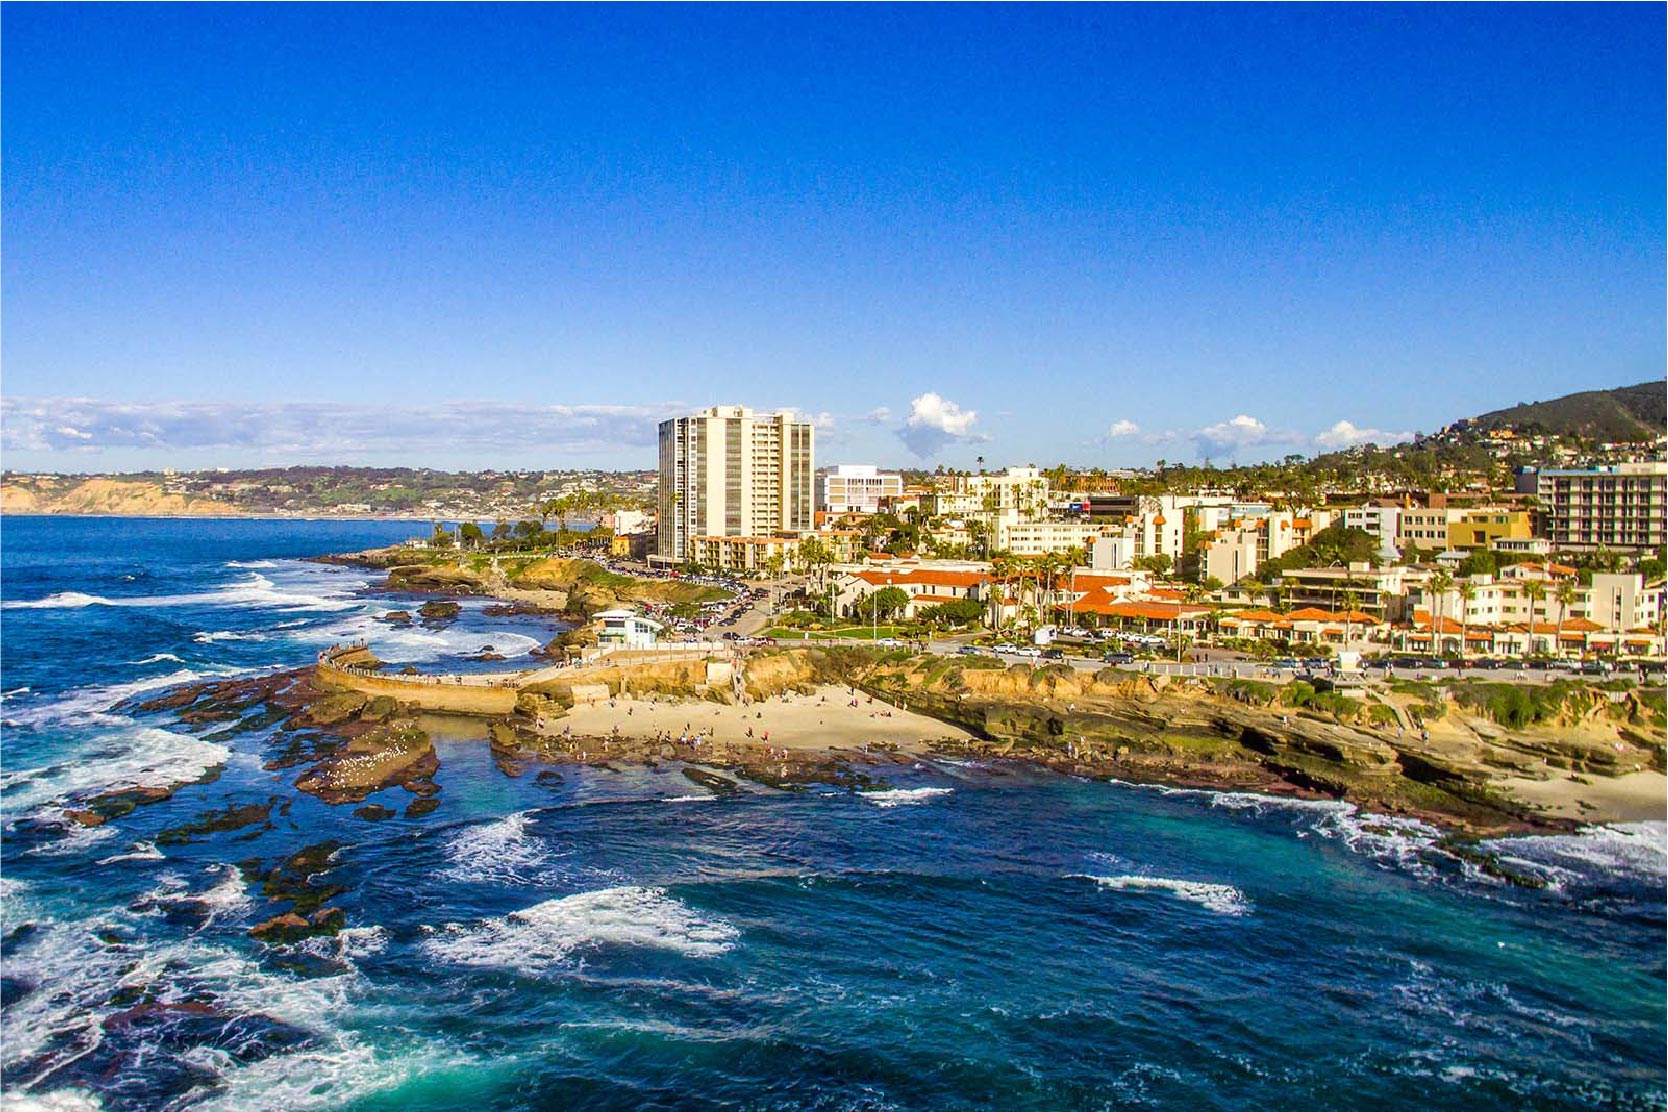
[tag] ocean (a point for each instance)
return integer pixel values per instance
(980, 935)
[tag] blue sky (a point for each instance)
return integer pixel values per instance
(517, 236)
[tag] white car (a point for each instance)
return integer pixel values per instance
(1006, 647)
(1029, 650)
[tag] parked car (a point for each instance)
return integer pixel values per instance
(1029, 650)
(1053, 654)
(970, 650)
(1119, 658)
(1006, 647)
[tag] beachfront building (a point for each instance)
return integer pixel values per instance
(928, 583)
(728, 472)
(1167, 619)
(1309, 625)
(1500, 615)
(625, 629)
(1381, 592)
(1623, 506)
(770, 554)
(856, 488)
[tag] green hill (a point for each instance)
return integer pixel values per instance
(1625, 413)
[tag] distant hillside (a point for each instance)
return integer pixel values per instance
(1625, 413)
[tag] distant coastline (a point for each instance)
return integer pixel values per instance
(238, 516)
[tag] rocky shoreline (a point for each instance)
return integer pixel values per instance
(1426, 753)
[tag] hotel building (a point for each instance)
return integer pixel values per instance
(728, 472)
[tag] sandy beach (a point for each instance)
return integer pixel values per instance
(820, 721)
(1635, 797)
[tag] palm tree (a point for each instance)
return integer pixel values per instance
(1566, 593)
(1351, 601)
(1534, 590)
(1467, 591)
(1441, 584)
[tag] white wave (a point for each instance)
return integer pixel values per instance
(256, 590)
(252, 563)
(78, 966)
(158, 658)
(14, 692)
(139, 851)
(91, 706)
(1632, 851)
(64, 1100)
(1389, 839)
(546, 934)
(62, 600)
(76, 839)
(347, 944)
(503, 852)
(209, 637)
(418, 643)
(689, 799)
(903, 797)
(142, 757)
(1224, 899)
(337, 1074)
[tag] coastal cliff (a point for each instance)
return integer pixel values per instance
(573, 588)
(1466, 757)
(52, 494)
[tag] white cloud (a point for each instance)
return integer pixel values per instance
(935, 421)
(1346, 435)
(879, 415)
(1230, 437)
(1123, 427)
(822, 422)
(325, 430)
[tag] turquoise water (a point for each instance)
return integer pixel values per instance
(983, 936)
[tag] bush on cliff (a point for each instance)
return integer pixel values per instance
(1516, 706)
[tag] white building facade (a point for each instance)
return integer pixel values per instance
(728, 472)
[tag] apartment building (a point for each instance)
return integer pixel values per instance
(728, 472)
(1381, 592)
(856, 488)
(1423, 527)
(1379, 520)
(1482, 526)
(1623, 506)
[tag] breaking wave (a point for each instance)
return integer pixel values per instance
(502, 852)
(141, 757)
(546, 934)
(255, 591)
(1224, 899)
(903, 797)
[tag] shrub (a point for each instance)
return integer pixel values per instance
(1250, 691)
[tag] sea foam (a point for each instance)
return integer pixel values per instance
(546, 934)
(504, 851)
(1224, 899)
(137, 757)
(903, 797)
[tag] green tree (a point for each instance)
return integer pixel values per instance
(888, 601)
(1158, 563)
